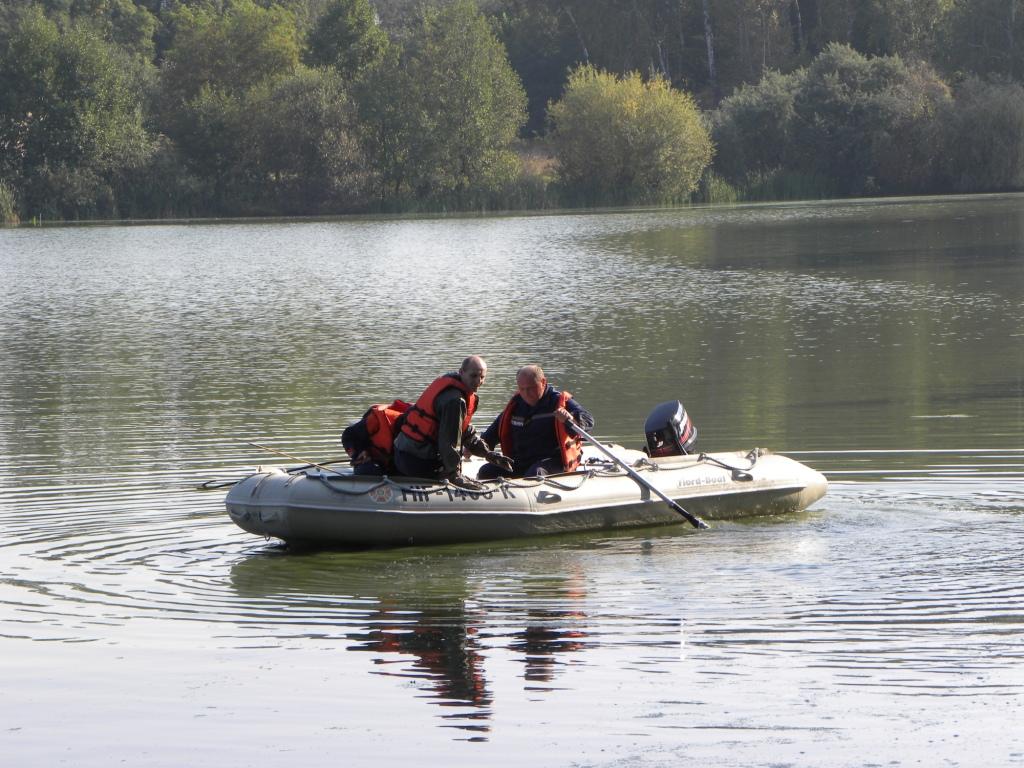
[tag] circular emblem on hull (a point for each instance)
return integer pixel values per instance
(382, 495)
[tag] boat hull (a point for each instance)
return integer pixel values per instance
(318, 507)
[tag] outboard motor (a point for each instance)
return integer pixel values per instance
(669, 431)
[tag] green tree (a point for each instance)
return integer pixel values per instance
(441, 119)
(307, 149)
(753, 128)
(229, 51)
(868, 123)
(347, 38)
(70, 118)
(910, 29)
(216, 58)
(129, 24)
(212, 132)
(985, 37)
(623, 140)
(541, 49)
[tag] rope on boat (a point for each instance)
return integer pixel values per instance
(607, 469)
(442, 487)
(216, 485)
(740, 473)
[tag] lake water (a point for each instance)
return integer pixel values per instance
(880, 341)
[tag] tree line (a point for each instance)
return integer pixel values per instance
(184, 108)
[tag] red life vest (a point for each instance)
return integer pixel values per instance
(569, 446)
(380, 426)
(421, 419)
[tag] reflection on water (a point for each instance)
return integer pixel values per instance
(423, 618)
(445, 653)
(879, 342)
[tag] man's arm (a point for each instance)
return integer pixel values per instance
(475, 444)
(491, 434)
(451, 411)
(580, 415)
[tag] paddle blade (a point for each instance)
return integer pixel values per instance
(693, 520)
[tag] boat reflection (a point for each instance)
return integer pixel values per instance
(554, 628)
(445, 654)
(426, 620)
(542, 643)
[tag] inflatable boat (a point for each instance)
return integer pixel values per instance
(320, 506)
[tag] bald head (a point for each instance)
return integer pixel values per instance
(473, 372)
(533, 372)
(531, 383)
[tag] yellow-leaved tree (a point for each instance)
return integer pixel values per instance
(622, 140)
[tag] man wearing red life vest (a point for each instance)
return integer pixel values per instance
(437, 428)
(370, 441)
(535, 429)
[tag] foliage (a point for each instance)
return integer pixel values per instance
(347, 38)
(130, 25)
(307, 150)
(70, 117)
(869, 123)
(215, 60)
(983, 37)
(984, 137)
(713, 189)
(847, 124)
(909, 29)
(202, 107)
(229, 51)
(623, 140)
(752, 129)
(163, 187)
(441, 119)
(8, 204)
(787, 184)
(541, 49)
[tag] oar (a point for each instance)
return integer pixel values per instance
(296, 458)
(693, 520)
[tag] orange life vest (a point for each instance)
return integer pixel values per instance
(421, 419)
(380, 426)
(569, 446)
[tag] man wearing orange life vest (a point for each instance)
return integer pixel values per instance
(437, 428)
(369, 442)
(535, 429)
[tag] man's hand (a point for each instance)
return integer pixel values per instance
(499, 459)
(461, 481)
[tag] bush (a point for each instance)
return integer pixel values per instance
(846, 125)
(753, 128)
(162, 187)
(868, 123)
(623, 140)
(783, 184)
(714, 189)
(8, 204)
(984, 137)
(68, 192)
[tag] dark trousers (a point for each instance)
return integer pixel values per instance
(368, 468)
(413, 466)
(540, 468)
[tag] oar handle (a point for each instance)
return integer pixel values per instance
(294, 458)
(692, 519)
